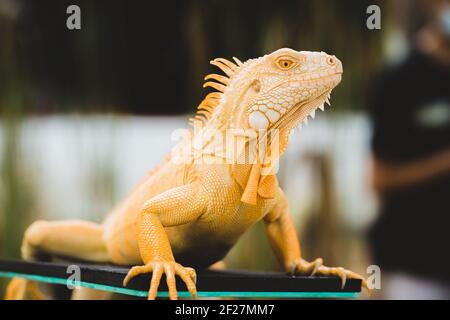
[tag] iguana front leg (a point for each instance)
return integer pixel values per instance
(283, 239)
(174, 207)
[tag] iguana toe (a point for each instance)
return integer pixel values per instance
(170, 269)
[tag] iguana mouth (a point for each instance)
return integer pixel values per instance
(299, 113)
(277, 116)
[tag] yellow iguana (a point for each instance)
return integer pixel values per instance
(193, 208)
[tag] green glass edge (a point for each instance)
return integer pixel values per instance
(164, 294)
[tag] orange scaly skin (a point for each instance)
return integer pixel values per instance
(191, 213)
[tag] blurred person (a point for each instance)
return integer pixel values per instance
(410, 108)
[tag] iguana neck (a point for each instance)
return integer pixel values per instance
(229, 118)
(252, 163)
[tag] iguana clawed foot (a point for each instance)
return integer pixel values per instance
(316, 267)
(171, 269)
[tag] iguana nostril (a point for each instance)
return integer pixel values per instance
(331, 61)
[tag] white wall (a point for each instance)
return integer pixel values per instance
(59, 154)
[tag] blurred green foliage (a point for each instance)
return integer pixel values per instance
(151, 59)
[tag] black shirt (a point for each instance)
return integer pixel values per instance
(410, 108)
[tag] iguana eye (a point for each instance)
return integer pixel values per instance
(285, 63)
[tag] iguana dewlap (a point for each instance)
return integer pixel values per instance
(190, 211)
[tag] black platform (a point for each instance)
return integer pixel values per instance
(229, 283)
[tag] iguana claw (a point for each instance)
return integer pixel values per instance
(316, 267)
(344, 274)
(170, 268)
(301, 266)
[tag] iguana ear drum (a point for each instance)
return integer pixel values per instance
(258, 120)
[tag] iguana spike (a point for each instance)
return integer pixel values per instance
(207, 106)
(201, 117)
(209, 110)
(227, 70)
(211, 102)
(226, 62)
(219, 78)
(214, 95)
(215, 85)
(204, 112)
(197, 120)
(238, 62)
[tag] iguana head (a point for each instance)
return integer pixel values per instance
(260, 101)
(290, 85)
(277, 91)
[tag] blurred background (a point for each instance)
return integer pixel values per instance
(86, 113)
